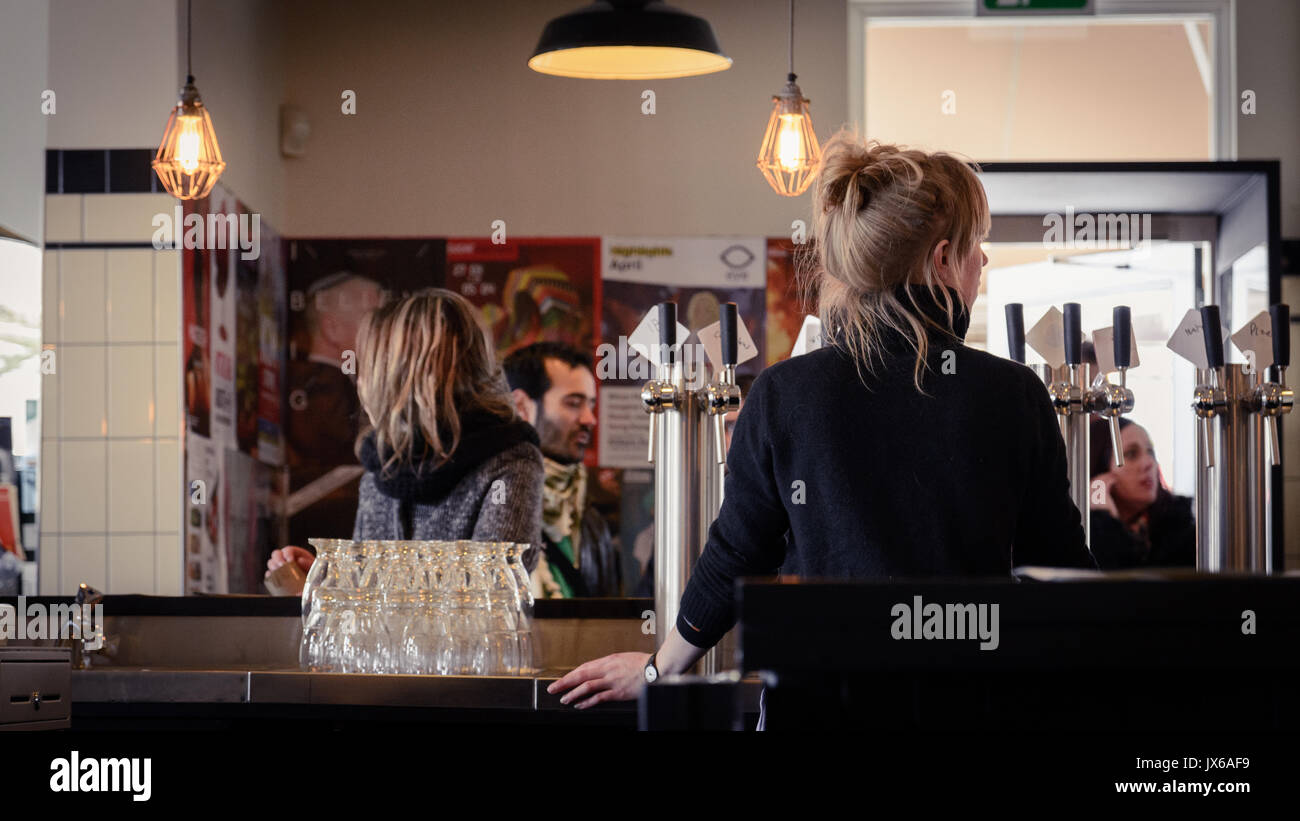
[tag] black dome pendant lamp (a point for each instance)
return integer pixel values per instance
(628, 40)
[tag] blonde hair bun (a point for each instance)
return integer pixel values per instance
(880, 209)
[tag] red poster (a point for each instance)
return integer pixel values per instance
(785, 309)
(195, 346)
(530, 290)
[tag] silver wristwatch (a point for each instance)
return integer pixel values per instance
(651, 672)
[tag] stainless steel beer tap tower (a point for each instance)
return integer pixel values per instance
(1273, 400)
(1069, 395)
(1234, 406)
(1074, 400)
(688, 447)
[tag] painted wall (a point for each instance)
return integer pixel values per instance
(114, 68)
(453, 131)
(1268, 63)
(24, 42)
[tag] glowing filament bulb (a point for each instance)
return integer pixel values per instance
(789, 140)
(189, 143)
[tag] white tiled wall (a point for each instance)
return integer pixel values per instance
(111, 488)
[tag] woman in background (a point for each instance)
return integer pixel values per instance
(446, 457)
(1140, 524)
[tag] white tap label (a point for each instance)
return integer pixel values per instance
(810, 336)
(1103, 341)
(711, 337)
(645, 339)
(1189, 342)
(1047, 337)
(1257, 336)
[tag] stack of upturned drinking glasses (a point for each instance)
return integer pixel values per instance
(444, 608)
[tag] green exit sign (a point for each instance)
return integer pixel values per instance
(1010, 8)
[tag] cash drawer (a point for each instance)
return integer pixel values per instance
(35, 688)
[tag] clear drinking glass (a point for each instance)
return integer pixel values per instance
(341, 641)
(373, 647)
(514, 553)
(503, 610)
(440, 564)
(468, 611)
(407, 616)
(324, 575)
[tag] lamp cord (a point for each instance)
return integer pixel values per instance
(189, 39)
(791, 40)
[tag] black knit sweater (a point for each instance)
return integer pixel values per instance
(831, 478)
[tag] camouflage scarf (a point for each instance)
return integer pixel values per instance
(564, 494)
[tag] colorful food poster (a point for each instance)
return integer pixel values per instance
(196, 347)
(205, 545)
(234, 309)
(699, 274)
(223, 258)
(333, 284)
(248, 329)
(530, 290)
(785, 308)
(272, 319)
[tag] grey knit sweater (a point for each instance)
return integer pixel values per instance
(478, 508)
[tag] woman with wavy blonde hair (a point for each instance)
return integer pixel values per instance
(445, 455)
(894, 451)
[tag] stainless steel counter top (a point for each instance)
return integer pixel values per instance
(145, 685)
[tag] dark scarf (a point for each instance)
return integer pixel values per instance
(932, 308)
(482, 436)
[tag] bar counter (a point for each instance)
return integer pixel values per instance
(219, 661)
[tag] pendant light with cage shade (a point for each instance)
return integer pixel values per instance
(189, 161)
(790, 152)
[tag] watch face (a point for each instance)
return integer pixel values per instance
(651, 674)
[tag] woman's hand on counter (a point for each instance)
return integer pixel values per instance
(616, 677)
(284, 555)
(620, 677)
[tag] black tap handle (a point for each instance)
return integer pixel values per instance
(1073, 335)
(1281, 316)
(1016, 331)
(1213, 332)
(729, 320)
(1123, 330)
(668, 331)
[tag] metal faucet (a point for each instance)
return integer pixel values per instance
(91, 633)
(1274, 399)
(663, 393)
(1209, 399)
(1107, 399)
(722, 396)
(1068, 394)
